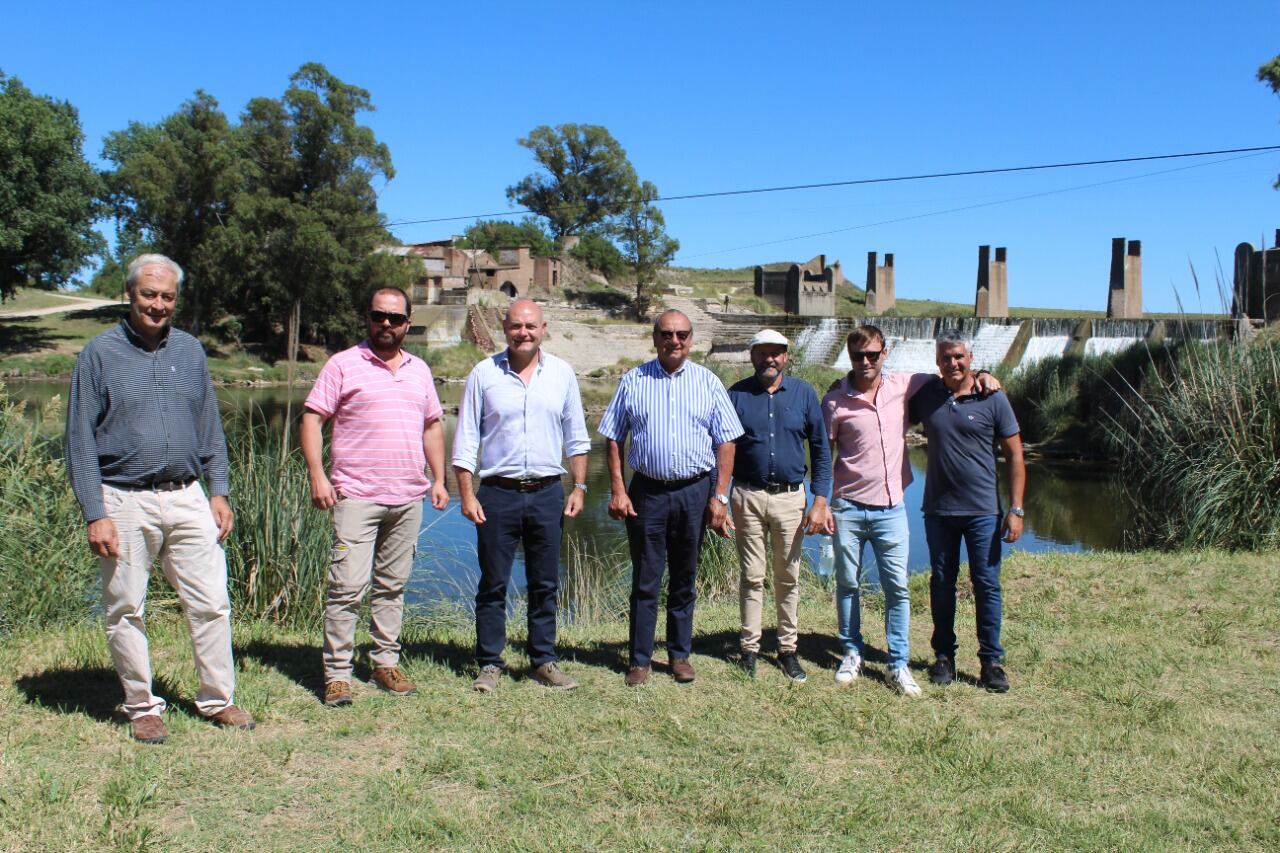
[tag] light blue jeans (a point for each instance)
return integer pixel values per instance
(886, 529)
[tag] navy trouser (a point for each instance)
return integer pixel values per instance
(536, 520)
(981, 535)
(666, 533)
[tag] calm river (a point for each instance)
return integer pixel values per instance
(1069, 508)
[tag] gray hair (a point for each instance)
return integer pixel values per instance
(137, 264)
(657, 323)
(953, 337)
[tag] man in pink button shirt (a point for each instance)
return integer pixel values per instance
(387, 428)
(866, 418)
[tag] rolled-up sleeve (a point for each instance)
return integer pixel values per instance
(573, 421)
(466, 437)
(80, 447)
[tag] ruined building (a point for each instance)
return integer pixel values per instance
(807, 290)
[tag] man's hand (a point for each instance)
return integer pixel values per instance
(222, 515)
(439, 494)
(718, 518)
(323, 495)
(620, 506)
(103, 539)
(471, 509)
(815, 520)
(573, 503)
(1012, 527)
(986, 383)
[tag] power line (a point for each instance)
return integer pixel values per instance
(885, 180)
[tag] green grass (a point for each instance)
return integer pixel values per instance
(451, 362)
(1142, 717)
(34, 299)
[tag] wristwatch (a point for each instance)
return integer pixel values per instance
(724, 499)
(1018, 511)
(582, 486)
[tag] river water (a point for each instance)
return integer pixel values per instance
(1069, 507)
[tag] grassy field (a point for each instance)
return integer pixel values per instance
(1143, 716)
(33, 299)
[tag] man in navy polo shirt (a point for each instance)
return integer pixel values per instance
(780, 415)
(961, 502)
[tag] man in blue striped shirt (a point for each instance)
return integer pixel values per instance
(520, 412)
(142, 429)
(682, 427)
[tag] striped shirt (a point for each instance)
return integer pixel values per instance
(675, 420)
(379, 416)
(515, 430)
(139, 416)
(870, 459)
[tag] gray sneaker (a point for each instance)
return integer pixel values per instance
(549, 675)
(488, 680)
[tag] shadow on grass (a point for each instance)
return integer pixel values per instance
(24, 335)
(90, 690)
(298, 662)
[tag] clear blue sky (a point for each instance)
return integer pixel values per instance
(723, 96)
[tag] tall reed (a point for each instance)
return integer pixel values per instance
(46, 571)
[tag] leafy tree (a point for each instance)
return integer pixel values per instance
(173, 188)
(48, 192)
(641, 229)
(495, 234)
(600, 254)
(1269, 73)
(587, 177)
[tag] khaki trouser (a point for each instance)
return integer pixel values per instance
(758, 516)
(368, 536)
(178, 528)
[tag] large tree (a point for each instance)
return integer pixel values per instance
(586, 177)
(48, 192)
(641, 229)
(1269, 73)
(495, 234)
(173, 188)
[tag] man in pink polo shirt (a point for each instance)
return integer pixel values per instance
(866, 417)
(386, 428)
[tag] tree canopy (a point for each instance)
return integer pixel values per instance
(495, 234)
(586, 177)
(49, 194)
(641, 229)
(1269, 73)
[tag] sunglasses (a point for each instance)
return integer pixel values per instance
(668, 334)
(390, 317)
(865, 355)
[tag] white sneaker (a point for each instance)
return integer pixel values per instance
(849, 668)
(900, 679)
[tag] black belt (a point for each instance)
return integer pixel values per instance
(675, 484)
(528, 484)
(775, 488)
(157, 486)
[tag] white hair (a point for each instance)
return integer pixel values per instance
(953, 337)
(137, 264)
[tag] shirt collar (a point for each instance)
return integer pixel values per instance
(137, 340)
(366, 350)
(503, 359)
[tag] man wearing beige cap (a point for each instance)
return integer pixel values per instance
(779, 414)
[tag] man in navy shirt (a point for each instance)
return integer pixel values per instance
(961, 502)
(779, 414)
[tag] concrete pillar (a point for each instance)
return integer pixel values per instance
(1124, 293)
(888, 287)
(1241, 298)
(982, 302)
(1000, 283)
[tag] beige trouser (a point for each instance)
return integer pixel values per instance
(758, 515)
(178, 528)
(368, 536)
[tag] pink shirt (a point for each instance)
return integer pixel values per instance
(870, 463)
(378, 420)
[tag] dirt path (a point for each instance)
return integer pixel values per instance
(74, 303)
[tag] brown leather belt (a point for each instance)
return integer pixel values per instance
(531, 484)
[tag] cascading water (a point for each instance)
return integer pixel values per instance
(817, 342)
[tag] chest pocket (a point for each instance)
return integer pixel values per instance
(793, 419)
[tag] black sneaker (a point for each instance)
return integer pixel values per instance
(993, 677)
(943, 671)
(791, 667)
(748, 663)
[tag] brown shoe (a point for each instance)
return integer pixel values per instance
(487, 681)
(337, 693)
(149, 729)
(681, 670)
(232, 717)
(392, 680)
(637, 675)
(549, 675)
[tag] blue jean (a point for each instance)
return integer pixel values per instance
(886, 529)
(981, 535)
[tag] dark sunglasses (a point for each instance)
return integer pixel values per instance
(392, 318)
(865, 355)
(668, 334)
